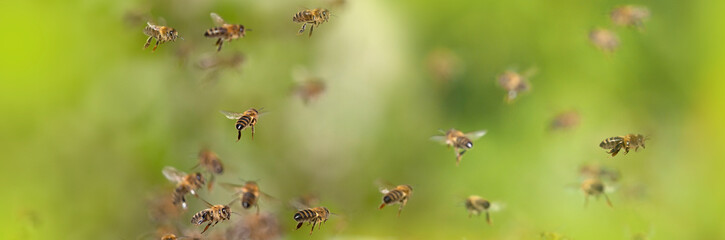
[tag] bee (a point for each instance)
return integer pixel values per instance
(444, 65)
(615, 144)
(600, 172)
(315, 17)
(604, 39)
(211, 162)
(161, 208)
(399, 194)
(246, 119)
(565, 120)
(224, 31)
(214, 214)
(258, 227)
(172, 236)
(312, 215)
(629, 15)
(185, 183)
(162, 34)
(310, 89)
(515, 83)
(459, 140)
(248, 193)
(594, 187)
(476, 205)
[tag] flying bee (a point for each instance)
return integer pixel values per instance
(246, 119)
(600, 172)
(444, 65)
(459, 140)
(594, 187)
(258, 227)
(224, 31)
(214, 214)
(312, 215)
(615, 144)
(565, 120)
(515, 83)
(604, 39)
(162, 34)
(399, 194)
(476, 205)
(185, 183)
(248, 193)
(211, 162)
(308, 87)
(315, 17)
(629, 15)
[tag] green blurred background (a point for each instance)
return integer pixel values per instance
(90, 118)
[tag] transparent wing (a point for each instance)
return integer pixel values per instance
(217, 19)
(152, 26)
(173, 174)
(497, 207)
(232, 115)
(236, 188)
(476, 135)
(440, 139)
(296, 204)
(162, 21)
(384, 186)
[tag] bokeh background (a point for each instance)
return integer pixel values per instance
(90, 119)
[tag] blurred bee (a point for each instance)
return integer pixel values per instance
(553, 236)
(615, 144)
(162, 34)
(308, 86)
(248, 193)
(515, 83)
(600, 172)
(315, 17)
(399, 194)
(305, 200)
(257, 227)
(631, 16)
(246, 119)
(604, 39)
(185, 183)
(444, 65)
(476, 205)
(161, 208)
(565, 120)
(216, 63)
(312, 215)
(224, 31)
(172, 236)
(594, 187)
(211, 162)
(214, 214)
(459, 140)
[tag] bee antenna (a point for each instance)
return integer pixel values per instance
(230, 203)
(182, 38)
(207, 203)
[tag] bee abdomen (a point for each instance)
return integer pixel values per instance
(464, 142)
(243, 122)
(610, 142)
(215, 32)
(304, 215)
(392, 196)
(149, 31)
(247, 200)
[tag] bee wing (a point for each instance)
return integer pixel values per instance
(610, 188)
(497, 207)
(438, 138)
(173, 174)
(236, 188)
(384, 186)
(296, 204)
(232, 115)
(217, 19)
(152, 26)
(476, 135)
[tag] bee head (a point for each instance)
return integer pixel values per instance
(226, 212)
(198, 177)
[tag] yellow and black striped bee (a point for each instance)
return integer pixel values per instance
(565, 120)
(399, 194)
(615, 144)
(629, 15)
(459, 140)
(162, 34)
(604, 39)
(213, 215)
(312, 215)
(515, 83)
(476, 205)
(315, 17)
(248, 193)
(594, 187)
(211, 162)
(224, 31)
(246, 119)
(185, 183)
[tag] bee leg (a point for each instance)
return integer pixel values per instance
(239, 135)
(148, 42)
(299, 225)
(211, 181)
(302, 29)
(219, 48)
(313, 227)
(402, 204)
(488, 218)
(312, 28)
(207, 227)
(608, 202)
(257, 206)
(381, 206)
(252, 132)
(157, 45)
(586, 200)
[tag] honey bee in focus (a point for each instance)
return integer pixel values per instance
(224, 31)
(594, 187)
(476, 205)
(248, 193)
(312, 215)
(211, 162)
(314, 17)
(185, 183)
(565, 120)
(459, 140)
(246, 119)
(399, 194)
(615, 144)
(630, 16)
(515, 83)
(162, 34)
(214, 214)
(604, 39)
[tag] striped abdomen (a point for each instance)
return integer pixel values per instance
(215, 32)
(463, 142)
(393, 196)
(305, 215)
(243, 122)
(201, 217)
(611, 142)
(303, 16)
(248, 200)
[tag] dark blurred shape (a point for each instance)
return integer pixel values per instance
(444, 65)
(604, 39)
(310, 89)
(630, 16)
(599, 172)
(217, 63)
(262, 226)
(136, 17)
(161, 208)
(565, 120)
(515, 83)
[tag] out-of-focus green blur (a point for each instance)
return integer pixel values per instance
(90, 119)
